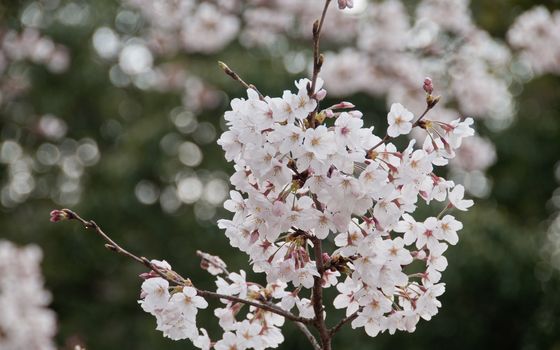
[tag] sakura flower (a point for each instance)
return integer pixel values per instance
(249, 333)
(427, 304)
(397, 252)
(346, 129)
(456, 198)
(427, 237)
(155, 292)
(319, 141)
(399, 119)
(305, 308)
(236, 285)
(203, 341)
(436, 264)
(371, 323)
(188, 302)
(447, 229)
(230, 341)
(348, 298)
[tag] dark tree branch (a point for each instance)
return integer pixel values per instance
(342, 322)
(317, 57)
(317, 298)
(308, 335)
(236, 77)
(174, 277)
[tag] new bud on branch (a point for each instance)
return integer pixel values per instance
(428, 85)
(60, 215)
(342, 4)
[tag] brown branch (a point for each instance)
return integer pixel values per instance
(174, 277)
(417, 122)
(317, 298)
(317, 57)
(236, 77)
(267, 307)
(344, 321)
(308, 335)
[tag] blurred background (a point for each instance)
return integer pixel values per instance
(113, 108)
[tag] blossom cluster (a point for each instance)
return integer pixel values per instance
(373, 54)
(305, 178)
(54, 161)
(392, 50)
(175, 309)
(25, 320)
(54, 170)
(175, 314)
(27, 45)
(536, 34)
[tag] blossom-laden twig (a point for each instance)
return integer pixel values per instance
(317, 57)
(163, 270)
(304, 174)
(306, 180)
(231, 73)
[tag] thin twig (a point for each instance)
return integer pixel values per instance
(174, 277)
(267, 307)
(318, 295)
(342, 322)
(317, 58)
(417, 122)
(308, 335)
(236, 77)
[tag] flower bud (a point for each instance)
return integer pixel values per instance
(432, 101)
(320, 117)
(59, 215)
(342, 4)
(342, 105)
(428, 85)
(321, 94)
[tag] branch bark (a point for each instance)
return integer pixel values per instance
(174, 277)
(308, 335)
(342, 322)
(318, 295)
(317, 58)
(231, 73)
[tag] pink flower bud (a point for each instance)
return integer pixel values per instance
(342, 105)
(342, 4)
(59, 215)
(321, 94)
(428, 85)
(146, 275)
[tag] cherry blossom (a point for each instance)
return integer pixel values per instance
(399, 119)
(305, 175)
(25, 320)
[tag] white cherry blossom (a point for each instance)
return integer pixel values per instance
(400, 120)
